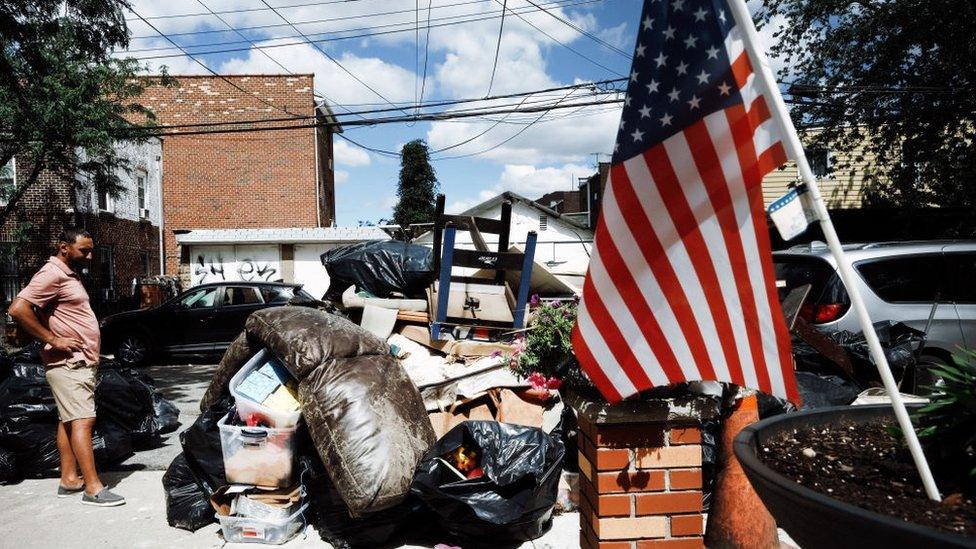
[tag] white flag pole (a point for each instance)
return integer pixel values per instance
(794, 150)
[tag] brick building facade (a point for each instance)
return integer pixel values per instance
(125, 228)
(243, 179)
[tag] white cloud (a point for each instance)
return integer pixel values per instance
(618, 36)
(341, 176)
(349, 156)
(391, 81)
(529, 181)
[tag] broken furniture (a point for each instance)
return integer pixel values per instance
(485, 303)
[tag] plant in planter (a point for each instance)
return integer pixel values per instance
(946, 426)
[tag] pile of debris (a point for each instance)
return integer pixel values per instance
(131, 415)
(311, 419)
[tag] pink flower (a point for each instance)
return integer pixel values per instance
(554, 383)
(534, 300)
(496, 354)
(537, 380)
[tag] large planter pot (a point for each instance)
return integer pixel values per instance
(813, 519)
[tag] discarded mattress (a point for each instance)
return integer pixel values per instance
(364, 415)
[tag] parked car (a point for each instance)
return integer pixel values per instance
(928, 285)
(200, 321)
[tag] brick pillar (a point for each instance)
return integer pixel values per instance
(640, 484)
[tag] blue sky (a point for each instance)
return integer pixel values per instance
(546, 156)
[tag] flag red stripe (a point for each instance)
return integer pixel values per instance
(741, 69)
(710, 168)
(759, 112)
(637, 303)
(616, 342)
(752, 173)
(771, 158)
(592, 367)
(657, 260)
(674, 201)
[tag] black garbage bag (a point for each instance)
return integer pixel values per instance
(125, 402)
(823, 391)
(201, 448)
(335, 524)
(380, 267)
(8, 465)
(167, 414)
(513, 501)
(187, 505)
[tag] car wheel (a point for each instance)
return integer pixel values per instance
(928, 382)
(133, 349)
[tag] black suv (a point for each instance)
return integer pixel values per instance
(201, 321)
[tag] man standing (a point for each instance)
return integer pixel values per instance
(54, 308)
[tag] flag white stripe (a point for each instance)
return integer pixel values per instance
(654, 207)
(708, 224)
(767, 135)
(734, 177)
(628, 327)
(735, 43)
(601, 353)
(631, 253)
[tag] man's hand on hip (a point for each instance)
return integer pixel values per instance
(66, 344)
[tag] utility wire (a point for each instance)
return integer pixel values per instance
(582, 31)
(243, 10)
(423, 84)
(556, 40)
(211, 71)
(333, 59)
(513, 136)
(448, 21)
(498, 46)
(476, 136)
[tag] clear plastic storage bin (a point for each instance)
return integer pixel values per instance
(246, 406)
(262, 456)
(253, 530)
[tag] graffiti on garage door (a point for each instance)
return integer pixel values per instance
(234, 263)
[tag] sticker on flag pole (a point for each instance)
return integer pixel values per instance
(792, 213)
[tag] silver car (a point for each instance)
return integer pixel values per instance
(928, 285)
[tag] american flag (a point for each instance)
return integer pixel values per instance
(681, 283)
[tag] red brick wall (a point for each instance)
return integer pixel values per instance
(128, 240)
(237, 180)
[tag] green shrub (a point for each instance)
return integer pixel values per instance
(544, 352)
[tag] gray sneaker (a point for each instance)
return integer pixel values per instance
(103, 499)
(67, 492)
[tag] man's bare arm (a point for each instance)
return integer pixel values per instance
(23, 313)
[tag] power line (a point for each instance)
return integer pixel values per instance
(423, 84)
(244, 10)
(560, 42)
(433, 117)
(513, 136)
(325, 53)
(448, 21)
(582, 31)
(451, 102)
(498, 46)
(476, 136)
(208, 69)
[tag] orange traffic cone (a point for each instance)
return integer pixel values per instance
(737, 517)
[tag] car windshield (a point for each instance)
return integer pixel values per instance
(795, 271)
(200, 299)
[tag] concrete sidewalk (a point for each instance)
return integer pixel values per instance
(34, 517)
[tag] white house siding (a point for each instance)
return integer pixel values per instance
(309, 271)
(561, 247)
(144, 158)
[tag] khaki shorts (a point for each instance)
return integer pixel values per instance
(73, 386)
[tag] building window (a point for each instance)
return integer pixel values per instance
(8, 180)
(105, 202)
(141, 186)
(146, 263)
(820, 162)
(106, 271)
(543, 222)
(9, 276)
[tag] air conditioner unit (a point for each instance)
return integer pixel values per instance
(108, 294)
(144, 213)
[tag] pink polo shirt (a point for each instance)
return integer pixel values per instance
(65, 310)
